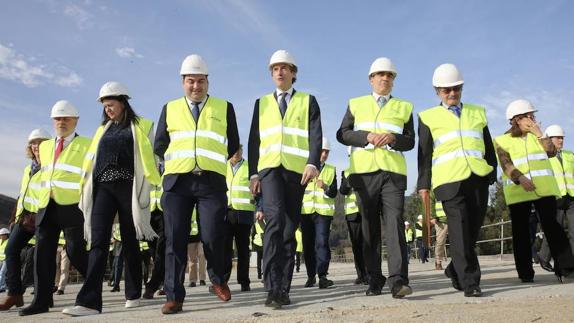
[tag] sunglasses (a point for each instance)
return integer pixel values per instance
(447, 90)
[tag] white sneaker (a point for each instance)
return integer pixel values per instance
(80, 311)
(131, 303)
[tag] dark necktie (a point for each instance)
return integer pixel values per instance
(59, 148)
(283, 103)
(195, 111)
(455, 110)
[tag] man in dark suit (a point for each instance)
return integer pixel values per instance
(379, 127)
(195, 136)
(456, 158)
(61, 161)
(284, 148)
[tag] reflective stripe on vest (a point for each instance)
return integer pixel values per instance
(28, 199)
(314, 199)
(458, 143)
(564, 172)
(239, 196)
(351, 206)
(409, 234)
(532, 161)
(389, 119)
(60, 180)
(284, 141)
(144, 150)
(439, 211)
(418, 230)
(202, 145)
(155, 198)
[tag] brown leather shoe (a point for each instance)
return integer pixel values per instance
(171, 307)
(11, 300)
(222, 291)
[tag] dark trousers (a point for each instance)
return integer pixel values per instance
(557, 240)
(178, 203)
(17, 241)
(240, 233)
(422, 251)
(55, 219)
(146, 262)
(409, 249)
(297, 260)
(563, 215)
(27, 257)
(376, 194)
(533, 226)
(465, 214)
(283, 196)
(117, 269)
(259, 251)
(111, 198)
(315, 229)
(356, 237)
(158, 247)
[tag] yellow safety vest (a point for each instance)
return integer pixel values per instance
(458, 143)
(409, 234)
(299, 239)
(155, 198)
(61, 239)
(314, 199)
(564, 172)
(202, 145)
(351, 206)
(258, 238)
(239, 196)
(194, 227)
(143, 245)
(116, 233)
(369, 117)
(529, 157)
(3, 244)
(284, 141)
(29, 193)
(32, 241)
(144, 147)
(61, 179)
(439, 211)
(418, 230)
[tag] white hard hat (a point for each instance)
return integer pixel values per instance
(554, 131)
(113, 89)
(282, 56)
(420, 217)
(407, 223)
(39, 134)
(518, 107)
(4, 231)
(326, 144)
(64, 108)
(193, 64)
(447, 75)
(382, 64)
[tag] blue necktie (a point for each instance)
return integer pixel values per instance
(382, 101)
(283, 103)
(195, 111)
(454, 109)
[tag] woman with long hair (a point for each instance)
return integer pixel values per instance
(120, 170)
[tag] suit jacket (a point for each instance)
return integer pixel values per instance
(162, 141)
(358, 138)
(426, 147)
(315, 140)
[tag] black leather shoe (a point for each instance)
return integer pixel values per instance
(272, 301)
(453, 280)
(373, 290)
(33, 310)
(245, 288)
(546, 265)
(283, 298)
(358, 281)
(473, 292)
(115, 289)
(401, 290)
(202, 283)
(191, 284)
(59, 292)
(310, 282)
(325, 283)
(527, 280)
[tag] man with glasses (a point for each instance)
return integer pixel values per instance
(456, 159)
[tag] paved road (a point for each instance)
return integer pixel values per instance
(505, 299)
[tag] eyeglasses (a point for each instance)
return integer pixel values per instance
(447, 90)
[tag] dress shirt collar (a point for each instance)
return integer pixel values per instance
(67, 140)
(377, 96)
(289, 93)
(447, 106)
(201, 104)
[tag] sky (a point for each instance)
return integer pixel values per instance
(52, 50)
